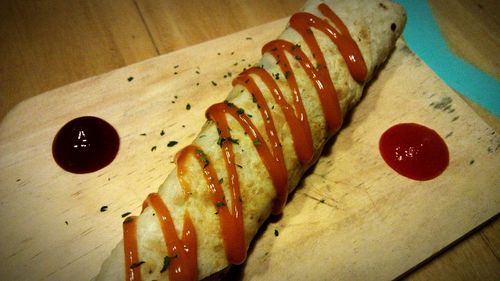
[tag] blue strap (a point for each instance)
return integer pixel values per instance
(423, 37)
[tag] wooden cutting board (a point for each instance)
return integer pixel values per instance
(351, 218)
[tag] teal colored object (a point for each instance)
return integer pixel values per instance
(424, 38)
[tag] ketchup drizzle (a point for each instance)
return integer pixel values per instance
(231, 217)
(132, 263)
(182, 252)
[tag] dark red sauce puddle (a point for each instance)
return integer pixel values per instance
(414, 151)
(85, 144)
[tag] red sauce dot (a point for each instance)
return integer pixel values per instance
(414, 151)
(85, 144)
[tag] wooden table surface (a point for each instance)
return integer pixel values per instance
(48, 44)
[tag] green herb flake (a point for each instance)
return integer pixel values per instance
(221, 180)
(254, 98)
(130, 79)
(276, 233)
(162, 133)
(220, 204)
(240, 111)
(220, 141)
(235, 141)
(153, 148)
(287, 74)
(125, 214)
(188, 106)
(203, 157)
(136, 264)
(256, 141)
(172, 143)
(104, 208)
(213, 83)
(166, 262)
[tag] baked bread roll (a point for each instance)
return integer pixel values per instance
(256, 145)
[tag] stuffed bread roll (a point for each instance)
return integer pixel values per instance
(256, 145)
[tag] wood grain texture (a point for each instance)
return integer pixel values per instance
(47, 44)
(375, 224)
(173, 25)
(472, 30)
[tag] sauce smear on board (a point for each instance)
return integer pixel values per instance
(85, 144)
(270, 151)
(414, 151)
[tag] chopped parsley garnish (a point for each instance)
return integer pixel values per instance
(125, 214)
(130, 78)
(220, 204)
(104, 208)
(235, 141)
(213, 83)
(136, 264)
(153, 148)
(254, 98)
(166, 262)
(203, 157)
(256, 141)
(240, 111)
(188, 106)
(172, 143)
(221, 180)
(220, 141)
(162, 133)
